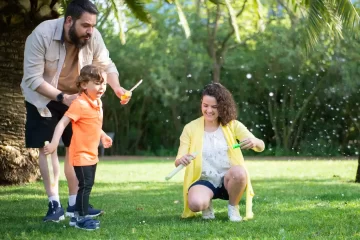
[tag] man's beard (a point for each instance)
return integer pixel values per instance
(77, 41)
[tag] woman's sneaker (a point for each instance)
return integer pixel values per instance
(87, 224)
(209, 212)
(234, 214)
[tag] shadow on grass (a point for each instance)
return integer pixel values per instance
(152, 211)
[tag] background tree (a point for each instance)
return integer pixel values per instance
(17, 20)
(174, 69)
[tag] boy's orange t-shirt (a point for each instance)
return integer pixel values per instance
(86, 118)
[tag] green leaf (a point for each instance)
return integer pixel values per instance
(217, 1)
(121, 21)
(233, 20)
(182, 18)
(329, 16)
(138, 9)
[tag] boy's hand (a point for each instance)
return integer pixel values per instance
(49, 148)
(106, 141)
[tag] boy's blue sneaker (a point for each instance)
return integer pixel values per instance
(73, 221)
(92, 212)
(55, 213)
(87, 223)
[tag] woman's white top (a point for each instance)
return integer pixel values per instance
(215, 159)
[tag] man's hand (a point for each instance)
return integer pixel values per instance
(106, 141)
(120, 91)
(68, 99)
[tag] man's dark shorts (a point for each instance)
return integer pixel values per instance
(219, 192)
(39, 129)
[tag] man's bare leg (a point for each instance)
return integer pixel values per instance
(72, 183)
(70, 175)
(51, 191)
(55, 212)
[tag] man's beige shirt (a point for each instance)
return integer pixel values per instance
(44, 58)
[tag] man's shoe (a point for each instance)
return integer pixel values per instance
(74, 220)
(87, 223)
(55, 213)
(92, 212)
(209, 212)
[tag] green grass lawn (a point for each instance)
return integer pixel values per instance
(294, 200)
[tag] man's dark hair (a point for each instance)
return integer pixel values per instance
(77, 7)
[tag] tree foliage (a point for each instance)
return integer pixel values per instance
(299, 103)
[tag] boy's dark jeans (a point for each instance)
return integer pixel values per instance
(86, 178)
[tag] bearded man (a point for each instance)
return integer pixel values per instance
(54, 54)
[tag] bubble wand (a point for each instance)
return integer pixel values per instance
(129, 93)
(178, 169)
(50, 167)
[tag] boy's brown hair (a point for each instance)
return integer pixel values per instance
(89, 73)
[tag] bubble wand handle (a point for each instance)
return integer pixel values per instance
(178, 169)
(50, 168)
(174, 172)
(129, 93)
(237, 145)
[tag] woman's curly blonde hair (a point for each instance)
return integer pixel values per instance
(225, 102)
(89, 73)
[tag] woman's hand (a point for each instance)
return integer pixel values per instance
(248, 143)
(184, 160)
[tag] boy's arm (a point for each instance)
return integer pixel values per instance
(60, 127)
(51, 147)
(103, 134)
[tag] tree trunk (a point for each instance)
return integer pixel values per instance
(357, 178)
(216, 71)
(17, 163)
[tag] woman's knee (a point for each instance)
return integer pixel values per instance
(196, 204)
(238, 174)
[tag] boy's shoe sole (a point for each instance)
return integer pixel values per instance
(87, 229)
(71, 214)
(73, 223)
(87, 224)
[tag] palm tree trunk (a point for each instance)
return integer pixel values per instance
(17, 163)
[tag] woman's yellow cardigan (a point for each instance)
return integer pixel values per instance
(191, 140)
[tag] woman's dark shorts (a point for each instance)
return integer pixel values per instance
(219, 192)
